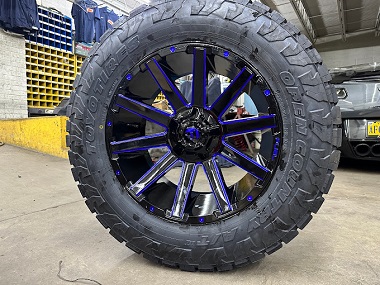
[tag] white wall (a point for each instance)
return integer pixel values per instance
(357, 49)
(13, 98)
(349, 57)
(62, 6)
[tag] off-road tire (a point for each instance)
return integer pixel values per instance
(310, 137)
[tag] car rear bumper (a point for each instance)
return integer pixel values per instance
(362, 149)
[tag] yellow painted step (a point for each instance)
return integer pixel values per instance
(44, 134)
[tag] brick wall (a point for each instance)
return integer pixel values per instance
(13, 98)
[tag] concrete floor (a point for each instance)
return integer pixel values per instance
(44, 220)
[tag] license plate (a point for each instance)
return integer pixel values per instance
(373, 129)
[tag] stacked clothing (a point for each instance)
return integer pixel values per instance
(84, 13)
(91, 22)
(107, 18)
(19, 16)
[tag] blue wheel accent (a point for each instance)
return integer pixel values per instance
(139, 144)
(195, 130)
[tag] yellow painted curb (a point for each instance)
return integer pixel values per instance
(44, 134)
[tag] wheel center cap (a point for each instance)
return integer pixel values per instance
(195, 135)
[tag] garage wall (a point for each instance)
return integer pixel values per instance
(348, 57)
(13, 91)
(62, 6)
(13, 98)
(357, 49)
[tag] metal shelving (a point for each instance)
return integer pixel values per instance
(55, 31)
(50, 62)
(50, 75)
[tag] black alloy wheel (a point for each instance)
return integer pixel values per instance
(195, 133)
(153, 171)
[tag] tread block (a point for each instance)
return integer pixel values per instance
(225, 267)
(206, 7)
(94, 203)
(267, 27)
(187, 267)
(233, 11)
(337, 137)
(310, 78)
(119, 231)
(324, 73)
(314, 56)
(318, 93)
(245, 17)
(257, 257)
(108, 220)
(273, 248)
(243, 248)
(212, 254)
(306, 201)
(276, 16)
(301, 59)
(276, 35)
(301, 224)
(291, 29)
(87, 190)
(290, 236)
(291, 48)
(304, 41)
(260, 7)
(171, 9)
(336, 115)
(286, 232)
(327, 184)
(334, 160)
(133, 26)
(319, 158)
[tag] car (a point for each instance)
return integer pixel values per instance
(358, 91)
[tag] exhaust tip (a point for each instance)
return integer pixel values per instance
(375, 150)
(362, 149)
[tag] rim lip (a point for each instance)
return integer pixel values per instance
(243, 203)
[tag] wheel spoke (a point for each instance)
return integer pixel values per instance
(140, 143)
(148, 112)
(167, 87)
(155, 173)
(248, 125)
(245, 162)
(217, 185)
(233, 92)
(185, 185)
(199, 77)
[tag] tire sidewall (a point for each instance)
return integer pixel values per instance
(262, 221)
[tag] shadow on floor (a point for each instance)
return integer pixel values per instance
(359, 165)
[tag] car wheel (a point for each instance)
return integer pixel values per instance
(138, 164)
